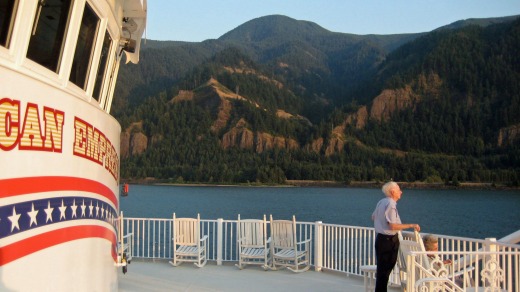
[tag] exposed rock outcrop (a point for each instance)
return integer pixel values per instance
(508, 136)
(133, 141)
(223, 114)
(183, 95)
(138, 143)
(382, 108)
(238, 136)
(242, 137)
(315, 146)
(217, 99)
(335, 145)
(390, 101)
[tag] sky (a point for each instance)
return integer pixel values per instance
(199, 20)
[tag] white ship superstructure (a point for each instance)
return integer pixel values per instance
(59, 146)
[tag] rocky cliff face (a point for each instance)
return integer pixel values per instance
(509, 136)
(382, 108)
(390, 101)
(393, 100)
(315, 146)
(133, 141)
(239, 136)
(215, 97)
(183, 95)
(242, 137)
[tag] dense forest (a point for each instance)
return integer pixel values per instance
(455, 118)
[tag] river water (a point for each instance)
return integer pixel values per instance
(466, 213)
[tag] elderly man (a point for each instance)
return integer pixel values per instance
(387, 223)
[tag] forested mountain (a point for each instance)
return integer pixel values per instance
(278, 99)
(320, 66)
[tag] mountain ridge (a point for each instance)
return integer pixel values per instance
(438, 107)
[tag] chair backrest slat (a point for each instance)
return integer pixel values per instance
(252, 232)
(283, 233)
(186, 230)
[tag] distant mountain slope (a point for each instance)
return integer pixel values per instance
(318, 63)
(274, 28)
(482, 22)
(266, 103)
(464, 89)
(271, 29)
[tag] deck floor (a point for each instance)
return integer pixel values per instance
(161, 276)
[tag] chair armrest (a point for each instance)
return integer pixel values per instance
(461, 271)
(205, 237)
(461, 266)
(304, 241)
(268, 240)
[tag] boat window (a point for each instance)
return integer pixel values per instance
(111, 83)
(7, 12)
(48, 34)
(84, 47)
(107, 41)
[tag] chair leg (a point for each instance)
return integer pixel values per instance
(199, 264)
(266, 264)
(296, 270)
(272, 266)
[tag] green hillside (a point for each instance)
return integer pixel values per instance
(278, 99)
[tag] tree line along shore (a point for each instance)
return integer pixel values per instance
(327, 183)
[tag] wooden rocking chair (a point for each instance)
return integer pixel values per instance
(253, 245)
(286, 250)
(188, 246)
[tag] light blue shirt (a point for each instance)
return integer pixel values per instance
(384, 214)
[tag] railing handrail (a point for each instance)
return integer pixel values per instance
(336, 247)
(489, 270)
(501, 252)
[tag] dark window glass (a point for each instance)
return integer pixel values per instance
(84, 48)
(107, 41)
(48, 35)
(7, 8)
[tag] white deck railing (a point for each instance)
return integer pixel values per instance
(485, 270)
(334, 247)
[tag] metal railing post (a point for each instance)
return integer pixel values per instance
(491, 247)
(220, 244)
(491, 261)
(318, 250)
(491, 244)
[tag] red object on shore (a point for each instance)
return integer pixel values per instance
(125, 190)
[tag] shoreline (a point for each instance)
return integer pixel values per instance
(338, 184)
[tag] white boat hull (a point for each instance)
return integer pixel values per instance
(58, 190)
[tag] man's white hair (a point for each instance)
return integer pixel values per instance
(388, 187)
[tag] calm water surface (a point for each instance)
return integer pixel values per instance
(466, 213)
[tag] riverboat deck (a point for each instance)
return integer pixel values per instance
(338, 251)
(159, 275)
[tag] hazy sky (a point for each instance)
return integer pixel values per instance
(198, 20)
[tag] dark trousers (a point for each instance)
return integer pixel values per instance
(387, 247)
